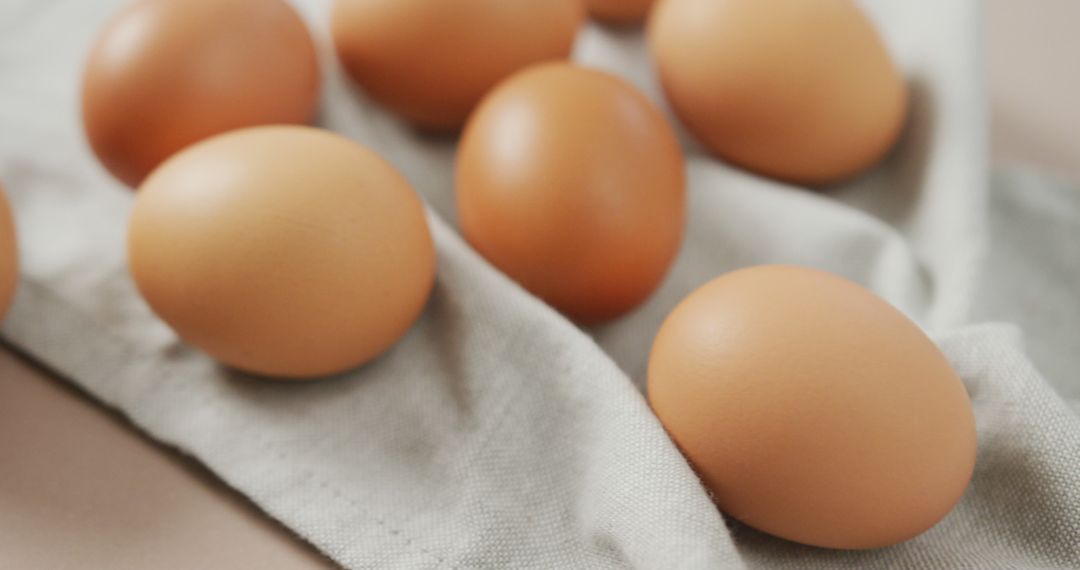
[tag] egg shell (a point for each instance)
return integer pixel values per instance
(801, 91)
(285, 251)
(571, 182)
(9, 256)
(619, 12)
(812, 409)
(164, 74)
(431, 61)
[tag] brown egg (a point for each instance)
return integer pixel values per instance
(431, 61)
(619, 12)
(812, 409)
(803, 91)
(284, 251)
(9, 256)
(571, 182)
(166, 73)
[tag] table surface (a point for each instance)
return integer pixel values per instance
(81, 488)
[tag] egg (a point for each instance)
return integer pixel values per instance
(812, 409)
(166, 73)
(9, 256)
(284, 251)
(431, 61)
(619, 12)
(796, 90)
(571, 182)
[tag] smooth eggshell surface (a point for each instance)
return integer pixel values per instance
(283, 251)
(166, 73)
(431, 61)
(797, 90)
(571, 182)
(9, 256)
(812, 409)
(620, 12)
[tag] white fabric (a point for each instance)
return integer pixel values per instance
(496, 434)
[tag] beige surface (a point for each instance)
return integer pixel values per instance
(80, 489)
(1032, 50)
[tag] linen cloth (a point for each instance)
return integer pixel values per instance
(497, 434)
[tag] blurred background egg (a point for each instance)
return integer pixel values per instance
(431, 61)
(812, 409)
(9, 256)
(166, 73)
(797, 90)
(285, 251)
(619, 12)
(571, 182)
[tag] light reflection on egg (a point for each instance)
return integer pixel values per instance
(812, 409)
(799, 90)
(285, 251)
(164, 74)
(571, 182)
(431, 61)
